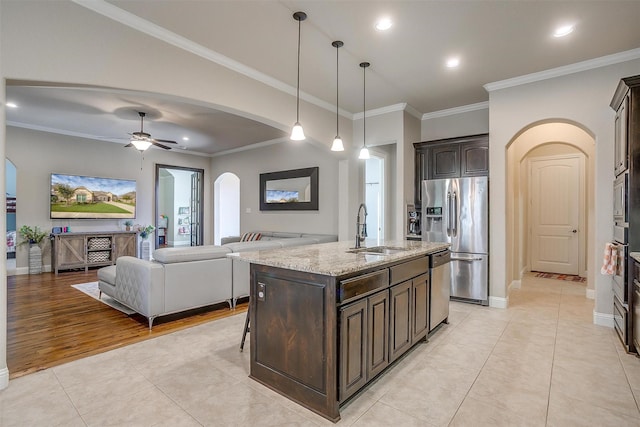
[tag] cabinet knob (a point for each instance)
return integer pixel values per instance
(574, 231)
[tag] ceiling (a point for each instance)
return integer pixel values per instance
(495, 41)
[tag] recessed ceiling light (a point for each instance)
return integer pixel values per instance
(383, 24)
(11, 105)
(453, 62)
(563, 31)
(185, 138)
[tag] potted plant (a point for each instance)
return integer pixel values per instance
(145, 247)
(34, 237)
(128, 224)
(145, 231)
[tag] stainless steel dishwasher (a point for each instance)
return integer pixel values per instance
(440, 275)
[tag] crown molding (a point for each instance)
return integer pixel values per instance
(178, 149)
(389, 109)
(63, 132)
(133, 21)
(251, 146)
(456, 110)
(590, 64)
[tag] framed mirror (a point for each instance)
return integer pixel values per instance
(292, 190)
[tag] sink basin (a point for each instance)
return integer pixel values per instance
(378, 250)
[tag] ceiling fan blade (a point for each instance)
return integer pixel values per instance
(166, 141)
(160, 145)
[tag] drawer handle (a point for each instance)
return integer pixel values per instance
(466, 259)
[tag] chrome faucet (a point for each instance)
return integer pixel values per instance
(361, 229)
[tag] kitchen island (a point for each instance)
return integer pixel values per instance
(327, 319)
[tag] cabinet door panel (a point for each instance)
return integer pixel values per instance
(420, 307)
(421, 172)
(378, 333)
(353, 338)
(400, 314)
(475, 159)
(124, 244)
(445, 161)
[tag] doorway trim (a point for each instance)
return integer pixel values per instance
(200, 193)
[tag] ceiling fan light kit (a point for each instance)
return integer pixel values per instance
(297, 133)
(142, 140)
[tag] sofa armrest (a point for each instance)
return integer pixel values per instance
(229, 239)
(140, 285)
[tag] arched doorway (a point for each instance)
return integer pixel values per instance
(226, 206)
(545, 141)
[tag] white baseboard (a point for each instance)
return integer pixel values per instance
(602, 319)
(498, 302)
(591, 293)
(4, 378)
(524, 270)
(515, 284)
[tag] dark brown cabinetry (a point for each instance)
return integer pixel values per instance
(320, 339)
(364, 336)
(626, 104)
(450, 158)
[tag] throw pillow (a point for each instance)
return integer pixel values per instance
(250, 237)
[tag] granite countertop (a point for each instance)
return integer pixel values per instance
(332, 259)
(635, 255)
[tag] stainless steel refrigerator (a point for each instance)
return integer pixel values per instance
(456, 211)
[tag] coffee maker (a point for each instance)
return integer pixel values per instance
(413, 222)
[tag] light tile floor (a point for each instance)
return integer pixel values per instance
(541, 362)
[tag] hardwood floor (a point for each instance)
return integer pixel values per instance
(50, 323)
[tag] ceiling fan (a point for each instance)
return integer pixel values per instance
(142, 140)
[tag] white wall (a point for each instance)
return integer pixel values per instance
(248, 165)
(38, 154)
(450, 126)
(581, 98)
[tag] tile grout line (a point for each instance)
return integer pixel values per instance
(68, 397)
(478, 374)
(553, 357)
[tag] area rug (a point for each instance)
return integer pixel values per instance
(92, 290)
(566, 277)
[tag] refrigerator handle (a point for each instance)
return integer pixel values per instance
(448, 207)
(454, 217)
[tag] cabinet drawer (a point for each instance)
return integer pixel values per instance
(409, 270)
(351, 289)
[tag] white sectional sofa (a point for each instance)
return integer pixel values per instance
(185, 278)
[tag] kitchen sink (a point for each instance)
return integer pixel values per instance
(377, 250)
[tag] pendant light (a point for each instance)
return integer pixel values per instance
(337, 141)
(297, 133)
(364, 152)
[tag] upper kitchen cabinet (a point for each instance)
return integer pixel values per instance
(620, 105)
(450, 158)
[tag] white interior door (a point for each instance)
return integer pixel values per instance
(555, 200)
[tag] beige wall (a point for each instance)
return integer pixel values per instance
(38, 154)
(581, 98)
(248, 165)
(450, 126)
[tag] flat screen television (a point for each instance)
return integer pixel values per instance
(90, 197)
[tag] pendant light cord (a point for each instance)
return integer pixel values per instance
(337, 92)
(298, 88)
(364, 106)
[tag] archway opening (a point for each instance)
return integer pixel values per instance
(548, 141)
(226, 206)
